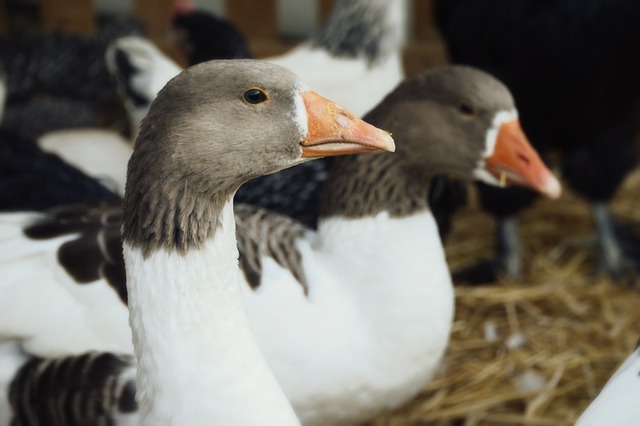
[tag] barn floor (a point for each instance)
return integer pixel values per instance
(533, 352)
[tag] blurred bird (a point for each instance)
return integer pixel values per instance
(58, 81)
(31, 179)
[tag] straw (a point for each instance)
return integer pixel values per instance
(533, 351)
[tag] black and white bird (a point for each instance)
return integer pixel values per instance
(197, 145)
(352, 318)
(355, 57)
(32, 179)
(59, 81)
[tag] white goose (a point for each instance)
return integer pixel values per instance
(197, 360)
(618, 404)
(345, 339)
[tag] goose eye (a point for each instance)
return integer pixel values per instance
(467, 109)
(254, 96)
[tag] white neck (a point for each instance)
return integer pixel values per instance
(198, 362)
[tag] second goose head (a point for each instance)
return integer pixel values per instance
(462, 121)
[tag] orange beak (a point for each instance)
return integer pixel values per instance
(515, 161)
(335, 131)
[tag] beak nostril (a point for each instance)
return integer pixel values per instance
(524, 159)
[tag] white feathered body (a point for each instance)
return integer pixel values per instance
(374, 325)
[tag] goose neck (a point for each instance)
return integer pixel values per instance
(198, 362)
(366, 185)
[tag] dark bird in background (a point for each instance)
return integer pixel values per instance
(57, 81)
(31, 179)
(203, 36)
(574, 70)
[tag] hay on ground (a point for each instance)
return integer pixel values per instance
(533, 352)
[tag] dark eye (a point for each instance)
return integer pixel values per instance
(467, 109)
(255, 96)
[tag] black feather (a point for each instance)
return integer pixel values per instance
(31, 179)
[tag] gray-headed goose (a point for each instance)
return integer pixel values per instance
(354, 318)
(211, 129)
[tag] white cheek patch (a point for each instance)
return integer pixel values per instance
(492, 134)
(491, 138)
(300, 112)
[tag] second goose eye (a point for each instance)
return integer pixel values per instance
(467, 109)
(255, 96)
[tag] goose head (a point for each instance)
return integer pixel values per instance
(217, 125)
(474, 120)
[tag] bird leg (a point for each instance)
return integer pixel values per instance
(612, 258)
(507, 261)
(509, 252)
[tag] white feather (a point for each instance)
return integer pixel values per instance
(101, 154)
(44, 308)
(618, 404)
(374, 326)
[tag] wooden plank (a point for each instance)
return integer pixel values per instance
(156, 17)
(325, 7)
(256, 19)
(424, 27)
(71, 16)
(421, 56)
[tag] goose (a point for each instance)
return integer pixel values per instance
(586, 115)
(178, 233)
(345, 340)
(618, 404)
(197, 145)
